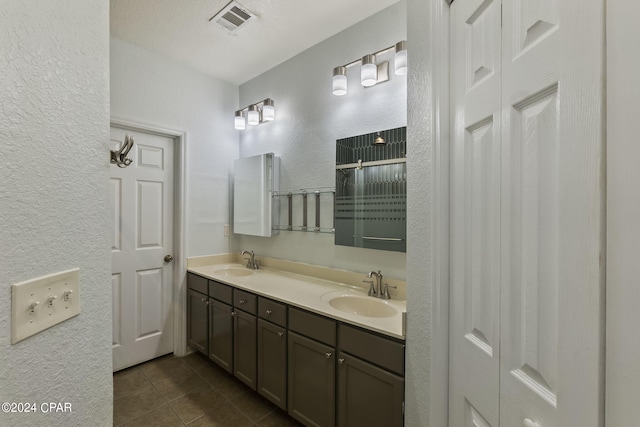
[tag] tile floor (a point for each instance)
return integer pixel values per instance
(191, 390)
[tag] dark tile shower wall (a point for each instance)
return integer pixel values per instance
(361, 147)
(370, 207)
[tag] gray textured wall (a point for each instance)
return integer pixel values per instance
(54, 174)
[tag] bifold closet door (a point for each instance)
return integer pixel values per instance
(475, 214)
(552, 217)
(526, 213)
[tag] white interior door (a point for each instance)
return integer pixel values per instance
(536, 170)
(552, 213)
(475, 214)
(142, 224)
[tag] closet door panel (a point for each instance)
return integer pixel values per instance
(551, 271)
(475, 209)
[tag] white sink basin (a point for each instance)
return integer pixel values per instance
(362, 306)
(234, 272)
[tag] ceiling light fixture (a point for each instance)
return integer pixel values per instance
(371, 73)
(255, 114)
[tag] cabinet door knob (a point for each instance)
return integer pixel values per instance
(528, 423)
(233, 313)
(242, 301)
(280, 334)
(340, 361)
(269, 312)
(328, 355)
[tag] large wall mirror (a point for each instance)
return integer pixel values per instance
(371, 190)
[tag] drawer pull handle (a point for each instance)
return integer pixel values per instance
(242, 301)
(269, 312)
(280, 334)
(528, 423)
(340, 361)
(328, 355)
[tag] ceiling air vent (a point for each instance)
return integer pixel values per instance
(232, 16)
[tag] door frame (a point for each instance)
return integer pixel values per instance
(179, 302)
(428, 127)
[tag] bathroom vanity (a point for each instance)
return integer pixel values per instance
(278, 333)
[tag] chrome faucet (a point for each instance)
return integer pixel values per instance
(251, 261)
(376, 289)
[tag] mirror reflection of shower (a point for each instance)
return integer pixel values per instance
(119, 157)
(371, 190)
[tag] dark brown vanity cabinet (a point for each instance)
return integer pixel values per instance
(244, 337)
(370, 379)
(221, 325)
(272, 351)
(197, 321)
(221, 334)
(197, 332)
(321, 371)
(312, 368)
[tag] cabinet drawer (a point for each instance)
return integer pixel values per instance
(313, 326)
(381, 351)
(245, 301)
(272, 311)
(197, 283)
(221, 292)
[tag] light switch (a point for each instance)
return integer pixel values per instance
(41, 303)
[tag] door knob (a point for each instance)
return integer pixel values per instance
(168, 258)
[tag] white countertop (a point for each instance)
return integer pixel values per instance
(307, 292)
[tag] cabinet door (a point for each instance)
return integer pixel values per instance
(244, 355)
(312, 369)
(197, 321)
(272, 362)
(221, 334)
(368, 396)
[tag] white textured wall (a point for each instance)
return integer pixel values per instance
(309, 120)
(54, 171)
(623, 211)
(427, 245)
(151, 89)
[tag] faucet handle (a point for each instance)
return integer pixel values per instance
(385, 293)
(372, 290)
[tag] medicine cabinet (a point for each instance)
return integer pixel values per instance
(256, 179)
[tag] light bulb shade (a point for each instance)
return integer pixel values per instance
(340, 81)
(253, 115)
(369, 71)
(239, 121)
(268, 110)
(400, 60)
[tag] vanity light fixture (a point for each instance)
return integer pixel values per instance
(239, 120)
(255, 114)
(371, 73)
(400, 58)
(340, 80)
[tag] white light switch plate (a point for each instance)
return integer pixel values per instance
(38, 304)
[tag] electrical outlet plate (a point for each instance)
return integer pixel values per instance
(41, 303)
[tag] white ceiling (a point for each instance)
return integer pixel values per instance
(180, 29)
